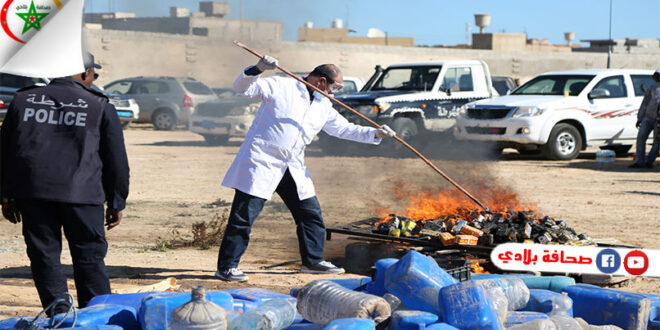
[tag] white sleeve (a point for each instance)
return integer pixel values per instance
(338, 126)
(255, 86)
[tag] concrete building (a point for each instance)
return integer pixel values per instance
(208, 22)
(199, 45)
(339, 34)
(514, 42)
(628, 45)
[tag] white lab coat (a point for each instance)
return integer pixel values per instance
(285, 123)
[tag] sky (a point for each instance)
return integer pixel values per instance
(433, 22)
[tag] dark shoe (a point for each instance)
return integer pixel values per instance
(231, 275)
(323, 267)
(635, 165)
(649, 166)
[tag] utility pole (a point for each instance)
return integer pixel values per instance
(609, 41)
(241, 21)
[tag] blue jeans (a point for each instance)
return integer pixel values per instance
(244, 210)
(645, 128)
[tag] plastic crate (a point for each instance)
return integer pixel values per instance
(458, 268)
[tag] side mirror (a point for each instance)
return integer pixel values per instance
(447, 88)
(599, 93)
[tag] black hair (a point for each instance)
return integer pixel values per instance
(328, 71)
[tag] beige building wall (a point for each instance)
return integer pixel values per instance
(340, 35)
(499, 41)
(218, 62)
(226, 29)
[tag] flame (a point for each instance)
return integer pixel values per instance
(475, 267)
(425, 205)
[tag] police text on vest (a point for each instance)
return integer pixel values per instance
(56, 117)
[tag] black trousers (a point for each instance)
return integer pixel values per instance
(245, 209)
(83, 226)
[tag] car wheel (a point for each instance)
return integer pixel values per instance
(164, 120)
(620, 151)
(565, 143)
(216, 140)
(406, 129)
(126, 124)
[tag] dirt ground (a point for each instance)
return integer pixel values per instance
(175, 182)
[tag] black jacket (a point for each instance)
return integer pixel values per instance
(64, 143)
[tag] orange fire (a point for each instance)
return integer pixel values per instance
(425, 205)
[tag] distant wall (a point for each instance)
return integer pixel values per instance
(340, 35)
(218, 62)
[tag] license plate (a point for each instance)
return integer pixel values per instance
(208, 124)
(124, 114)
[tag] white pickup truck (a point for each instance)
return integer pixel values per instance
(414, 98)
(561, 113)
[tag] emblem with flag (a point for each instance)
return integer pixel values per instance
(41, 38)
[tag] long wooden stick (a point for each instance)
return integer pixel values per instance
(373, 123)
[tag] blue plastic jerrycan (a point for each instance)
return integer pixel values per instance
(352, 323)
(441, 326)
(105, 314)
(129, 299)
(377, 286)
(654, 312)
(466, 305)
(516, 317)
(417, 280)
(540, 301)
(552, 283)
(411, 320)
(602, 306)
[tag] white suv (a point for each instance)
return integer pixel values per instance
(560, 113)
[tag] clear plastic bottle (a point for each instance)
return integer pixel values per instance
(274, 314)
(323, 301)
(587, 326)
(538, 324)
(559, 314)
(199, 313)
(515, 289)
(496, 294)
(394, 301)
(605, 156)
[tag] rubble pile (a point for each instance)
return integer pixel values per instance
(483, 228)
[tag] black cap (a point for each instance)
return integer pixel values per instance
(88, 60)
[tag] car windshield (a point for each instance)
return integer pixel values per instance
(554, 85)
(417, 78)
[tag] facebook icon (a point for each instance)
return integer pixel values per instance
(608, 261)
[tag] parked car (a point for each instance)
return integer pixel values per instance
(504, 84)
(561, 113)
(230, 116)
(10, 83)
(415, 98)
(163, 101)
(127, 109)
(351, 85)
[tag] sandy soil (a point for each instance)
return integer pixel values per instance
(175, 181)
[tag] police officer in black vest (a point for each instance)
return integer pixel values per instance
(63, 156)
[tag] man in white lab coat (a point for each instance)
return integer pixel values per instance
(271, 159)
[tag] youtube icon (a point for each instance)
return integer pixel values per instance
(636, 262)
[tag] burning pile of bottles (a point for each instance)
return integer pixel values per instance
(484, 228)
